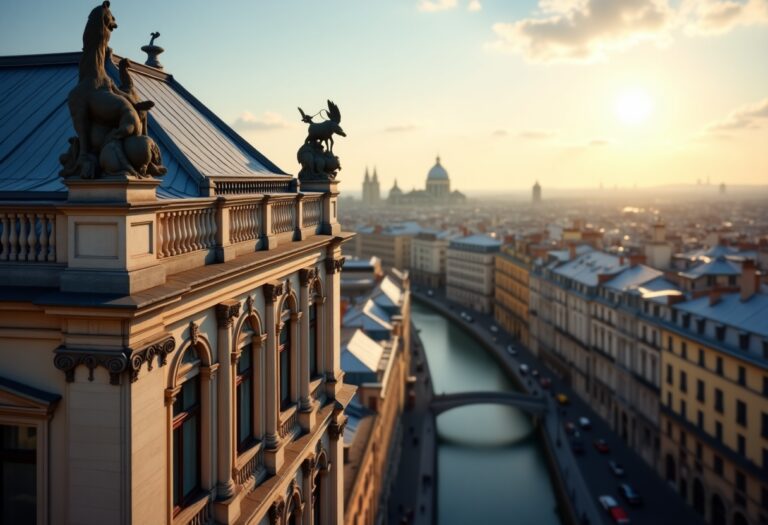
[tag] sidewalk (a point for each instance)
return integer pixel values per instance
(413, 494)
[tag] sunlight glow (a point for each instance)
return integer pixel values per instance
(633, 106)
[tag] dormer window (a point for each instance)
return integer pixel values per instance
(720, 332)
(700, 325)
(686, 320)
(744, 340)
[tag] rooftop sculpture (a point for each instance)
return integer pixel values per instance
(110, 122)
(317, 162)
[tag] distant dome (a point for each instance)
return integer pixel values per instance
(437, 172)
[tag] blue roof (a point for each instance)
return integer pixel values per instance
(476, 242)
(749, 315)
(718, 266)
(35, 125)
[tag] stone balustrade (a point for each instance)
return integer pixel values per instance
(250, 468)
(28, 235)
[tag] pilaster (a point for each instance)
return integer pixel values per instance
(273, 454)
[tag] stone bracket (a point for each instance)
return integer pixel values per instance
(160, 349)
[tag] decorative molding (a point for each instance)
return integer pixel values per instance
(160, 349)
(249, 304)
(334, 265)
(194, 333)
(276, 511)
(227, 312)
(68, 359)
(307, 276)
(288, 286)
(308, 465)
(336, 428)
(272, 291)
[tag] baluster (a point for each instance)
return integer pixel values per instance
(234, 217)
(52, 238)
(213, 226)
(187, 237)
(42, 255)
(4, 245)
(202, 224)
(195, 232)
(182, 231)
(248, 222)
(207, 221)
(31, 239)
(22, 237)
(175, 232)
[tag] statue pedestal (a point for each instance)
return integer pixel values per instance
(331, 224)
(111, 233)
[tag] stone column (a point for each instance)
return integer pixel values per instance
(273, 452)
(306, 408)
(333, 373)
(307, 485)
(226, 313)
(336, 477)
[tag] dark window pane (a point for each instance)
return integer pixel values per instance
(18, 474)
(244, 411)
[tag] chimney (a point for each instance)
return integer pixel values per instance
(636, 259)
(714, 297)
(571, 252)
(748, 279)
(674, 299)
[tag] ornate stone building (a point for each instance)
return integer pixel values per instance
(169, 349)
(437, 192)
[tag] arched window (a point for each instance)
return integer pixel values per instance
(186, 433)
(244, 393)
(285, 350)
(313, 340)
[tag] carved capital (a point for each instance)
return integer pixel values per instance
(276, 511)
(272, 291)
(334, 265)
(227, 312)
(159, 349)
(307, 276)
(68, 359)
(336, 428)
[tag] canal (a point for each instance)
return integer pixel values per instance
(490, 467)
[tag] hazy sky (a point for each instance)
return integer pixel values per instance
(570, 92)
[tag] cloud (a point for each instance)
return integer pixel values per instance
(536, 134)
(598, 143)
(712, 17)
(401, 128)
(432, 6)
(751, 116)
(474, 6)
(584, 30)
(500, 133)
(268, 121)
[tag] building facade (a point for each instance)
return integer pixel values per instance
(512, 293)
(428, 256)
(391, 244)
(470, 271)
(181, 337)
(714, 413)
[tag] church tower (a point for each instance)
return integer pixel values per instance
(366, 188)
(375, 188)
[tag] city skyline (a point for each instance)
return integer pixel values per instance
(657, 93)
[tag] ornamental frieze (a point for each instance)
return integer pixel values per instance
(160, 349)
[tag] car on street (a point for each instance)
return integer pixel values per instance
(601, 446)
(616, 468)
(562, 399)
(585, 423)
(630, 495)
(464, 315)
(613, 509)
(570, 428)
(511, 350)
(535, 373)
(545, 383)
(494, 329)
(523, 368)
(430, 293)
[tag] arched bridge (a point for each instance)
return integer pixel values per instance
(531, 404)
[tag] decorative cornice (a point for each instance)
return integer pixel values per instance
(67, 359)
(276, 511)
(272, 291)
(160, 349)
(336, 428)
(227, 312)
(334, 265)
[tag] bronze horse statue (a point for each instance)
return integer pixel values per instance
(110, 123)
(323, 131)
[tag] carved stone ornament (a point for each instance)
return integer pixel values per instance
(194, 333)
(272, 291)
(249, 304)
(276, 511)
(316, 154)
(160, 349)
(334, 265)
(67, 359)
(308, 465)
(110, 121)
(336, 428)
(307, 276)
(227, 312)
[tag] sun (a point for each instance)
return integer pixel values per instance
(633, 106)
